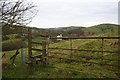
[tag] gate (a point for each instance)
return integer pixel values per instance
(48, 52)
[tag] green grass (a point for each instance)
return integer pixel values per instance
(103, 29)
(11, 71)
(62, 69)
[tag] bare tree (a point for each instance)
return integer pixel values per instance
(16, 12)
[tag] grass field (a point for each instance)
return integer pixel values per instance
(62, 69)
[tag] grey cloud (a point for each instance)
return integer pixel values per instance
(55, 13)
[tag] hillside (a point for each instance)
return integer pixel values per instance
(103, 29)
(14, 32)
(76, 31)
(65, 68)
(86, 31)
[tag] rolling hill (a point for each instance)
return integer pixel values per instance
(103, 29)
(78, 31)
(63, 69)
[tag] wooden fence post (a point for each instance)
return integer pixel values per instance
(102, 48)
(118, 67)
(71, 48)
(29, 45)
(44, 53)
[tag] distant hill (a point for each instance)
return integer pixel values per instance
(72, 31)
(66, 28)
(66, 31)
(103, 29)
(86, 31)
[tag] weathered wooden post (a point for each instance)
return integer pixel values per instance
(102, 48)
(101, 55)
(22, 51)
(71, 48)
(118, 67)
(29, 47)
(44, 52)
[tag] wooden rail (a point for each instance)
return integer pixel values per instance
(78, 61)
(105, 37)
(86, 50)
(81, 56)
(57, 53)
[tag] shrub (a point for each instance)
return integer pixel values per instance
(13, 44)
(5, 38)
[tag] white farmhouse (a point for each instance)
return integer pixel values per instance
(59, 36)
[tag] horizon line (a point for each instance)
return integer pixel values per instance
(74, 26)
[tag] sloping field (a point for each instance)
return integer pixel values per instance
(61, 67)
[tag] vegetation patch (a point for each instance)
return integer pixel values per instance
(13, 44)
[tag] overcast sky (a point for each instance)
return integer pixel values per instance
(64, 13)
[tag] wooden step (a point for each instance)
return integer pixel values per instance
(29, 62)
(37, 56)
(39, 60)
(36, 43)
(37, 49)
